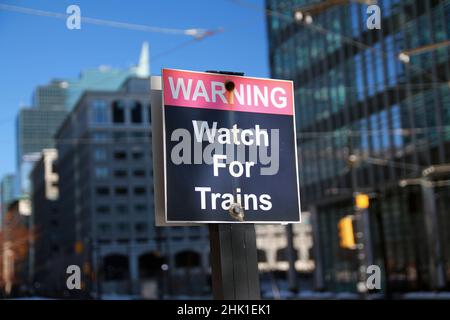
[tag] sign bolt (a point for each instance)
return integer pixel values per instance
(237, 212)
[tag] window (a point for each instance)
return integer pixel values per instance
(99, 154)
(99, 112)
(103, 209)
(140, 191)
(104, 227)
(120, 155)
(102, 191)
(139, 173)
(364, 134)
(136, 112)
(149, 113)
(120, 136)
(370, 73)
(138, 155)
(122, 209)
(101, 172)
(140, 208)
(120, 173)
(121, 191)
(100, 137)
(384, 130)
(396, 126)
(118, 112)
(391, 60)
(141, 227)
(359, 77)
(374, 126)
(123, 227)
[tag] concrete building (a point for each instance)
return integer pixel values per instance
(105, 183)
(370, 117)
(51, 103)
(53, 247)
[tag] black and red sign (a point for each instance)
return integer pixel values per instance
(229, 149)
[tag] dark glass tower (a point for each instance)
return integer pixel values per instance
(371, 122)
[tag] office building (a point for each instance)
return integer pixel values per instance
(373, 113)
(53, 244)
(36, 126)
(106, 78)
(105, 183)
(51, 103)
(35, 129)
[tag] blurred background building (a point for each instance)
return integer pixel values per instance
(51, 103)
(36, 126)
(373, 116)
(7, 193)
(106, 187)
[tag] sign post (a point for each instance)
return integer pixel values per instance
(229, 158)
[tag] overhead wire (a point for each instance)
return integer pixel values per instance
(194, 32)
(320, 29)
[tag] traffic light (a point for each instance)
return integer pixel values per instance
(346, 235)
(362, 201)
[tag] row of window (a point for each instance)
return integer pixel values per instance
(122, 136)
(121, 209)
(102, 155)
(139, 227)
(121, 191)
(103, 173)
(118, 112)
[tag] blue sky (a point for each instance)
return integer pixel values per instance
(35, 49)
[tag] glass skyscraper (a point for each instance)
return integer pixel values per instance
(36, 126)
(369, 120)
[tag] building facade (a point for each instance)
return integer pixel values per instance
(106, 185)
(7, 193)
(36, 126)
(15, 245)
(51, 103)
(368, 120)
(53, 244)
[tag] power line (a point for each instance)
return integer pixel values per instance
(194, 32)
(185, 44)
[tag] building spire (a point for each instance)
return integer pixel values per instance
(143, 67)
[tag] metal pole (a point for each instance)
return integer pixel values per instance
(319, 284)
(359, 222)
(431, 224)
(234, 263)
(381, 235)
(292, 257)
